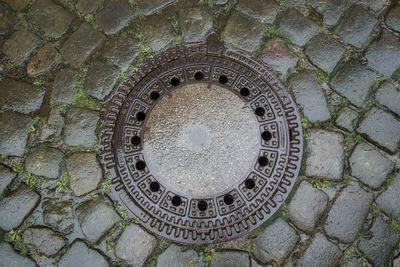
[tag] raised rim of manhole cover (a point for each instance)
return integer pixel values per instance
(143, 121)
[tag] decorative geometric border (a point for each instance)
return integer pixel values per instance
(249, 205)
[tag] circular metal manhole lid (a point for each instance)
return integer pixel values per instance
(203, 144)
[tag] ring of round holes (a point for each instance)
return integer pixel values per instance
(238, 162)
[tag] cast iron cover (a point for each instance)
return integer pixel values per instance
(203, 144)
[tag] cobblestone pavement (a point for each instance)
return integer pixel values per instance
(62, 59)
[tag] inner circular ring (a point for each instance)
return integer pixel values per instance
(200, 139)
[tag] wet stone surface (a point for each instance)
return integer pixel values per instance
(149, 7)
(196, 24)
(324, 52)
(96, 217)
(347, 119)
(11, 258)
(100, 79)
(16, 205)
(226, 259)
(275, 242)
(135, 245)
(263, 10)
(44, 162)
(50, 127)
(64, 84)
(326, 155)
(307, 206)
(81, 254)
(332, 10)
(175, 256)
(13, 136)
(88, 6)
(296, 27)
(80, 125)
(381, 127)
(389, 199)
(84, 172)
(20, 45)
(50, 17)
(389, 96)
(278, 56)
(369, 165)
(243, 32)
(321, 252)
(81, 44)
(58, 215)
(354, 82)
(43, 240)
(380, 247)
(114, 15)
(6, 176)
(309, 96)
(356, 26)
(43, 60)
(393, 18)
(348, 213)
(7, 20)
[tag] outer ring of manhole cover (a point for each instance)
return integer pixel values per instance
(215, 218)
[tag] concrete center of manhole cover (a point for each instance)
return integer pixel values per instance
(200, 139)
(202, 144)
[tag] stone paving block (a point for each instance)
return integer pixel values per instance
(80, 126)
(243, 33)
(7, 20)
(393, 18)
(195, 24)
(149, 7)
(43, 240)
(96, 217)
(135, 245)
(383, 55)
(375, 5)
(17, 5)
(58, 214)
(348, 213)
(11, 258)
(88, 6)
(354, 82)
(44, 161)
(80, 255)
(16, 205)
(42, 61)
(114, 16)
(20, 96)
(324, 52)
(331, 10)
(275, 242)
(100, 79)
(278, 56)
(299, 3)
(356, 26)
(389, 96)
(176, 256)
(64, 85)
(381, 246)
(81, 44)
(13, 136)
(20, 45)
(369, 166)
(230, 258)
(121, 50)
(50, 127)
(6, 177)
(309, 96)
(347, 119)
(263, 10)
(296, 27)
(53, 19)
(307, 206)
(389, 200)
(151, 27)
(321, 252)
(382, 127)
(84, 172)
(326, 155)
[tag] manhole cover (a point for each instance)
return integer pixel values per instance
(203, 144)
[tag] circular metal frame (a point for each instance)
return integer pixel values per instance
(215, 218)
